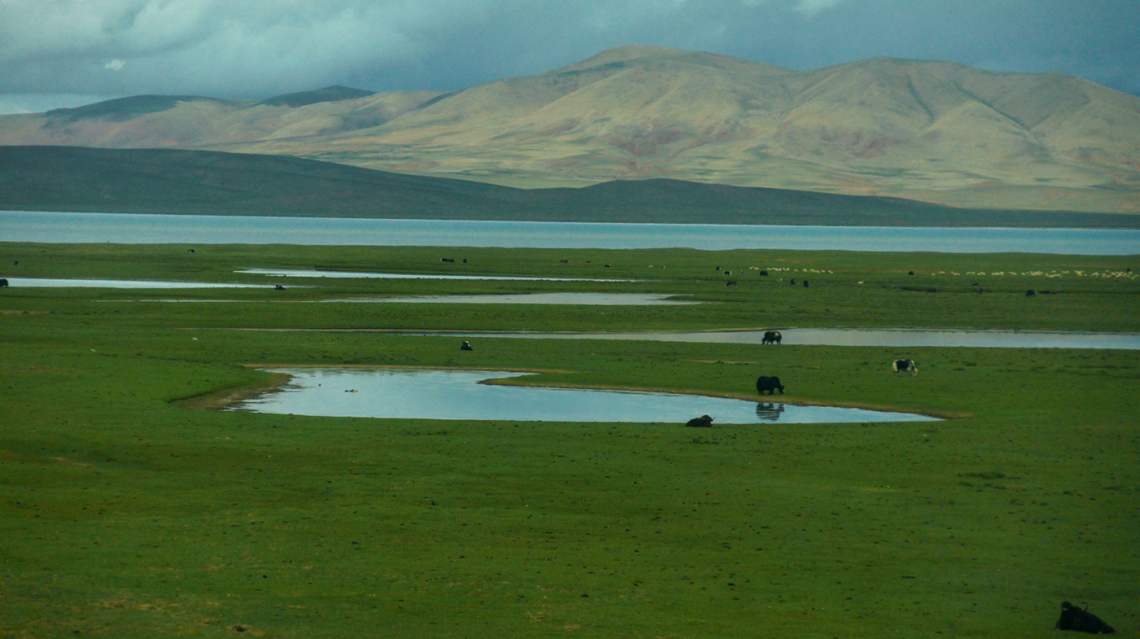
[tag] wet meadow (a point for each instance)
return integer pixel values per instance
(132, 504)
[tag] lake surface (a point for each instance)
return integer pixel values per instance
(867, 337)
(20, 226)
(287, 272)
(45, 282)
(459, 395)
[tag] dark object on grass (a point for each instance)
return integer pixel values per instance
(189, 250)
(466, 346)
(446, 259)
(772, 337)
(3, 282)
(607, 266)
(704, 421)
(904, 366)
(763, 273)
(1081, 620)
(910, 272)
(1031, 293)
(769, 384)
(279, 288)
(465, 260)
(805, 284)
(793, 281)
(728, 272)
(730, 283)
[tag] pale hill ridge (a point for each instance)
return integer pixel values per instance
(928, 130)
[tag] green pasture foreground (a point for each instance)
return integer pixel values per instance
(127, 511)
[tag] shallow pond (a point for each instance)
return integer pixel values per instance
(869, 337)
(583, 299)
(459, 395)
(44, 282)
(409, 276)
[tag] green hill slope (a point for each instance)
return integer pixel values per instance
(203, 182)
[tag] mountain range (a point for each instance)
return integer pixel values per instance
(930, 131)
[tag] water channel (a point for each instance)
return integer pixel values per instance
(463, 395)
(864, 337)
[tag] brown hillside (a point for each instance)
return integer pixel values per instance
(928, 130)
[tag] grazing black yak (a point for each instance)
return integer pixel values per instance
(769, 384)
(704, 421)
(466, 346)
(1074, 618)
(772, 337)
(1031, 293)
(904, 366)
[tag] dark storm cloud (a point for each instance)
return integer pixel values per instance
(255, 48)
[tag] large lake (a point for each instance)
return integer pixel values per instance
(19, 226)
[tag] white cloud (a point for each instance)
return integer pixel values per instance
(114, 65)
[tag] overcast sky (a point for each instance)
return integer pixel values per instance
(67, 52)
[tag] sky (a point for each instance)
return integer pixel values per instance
(57, 53)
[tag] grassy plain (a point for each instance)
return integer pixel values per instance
(127, 512)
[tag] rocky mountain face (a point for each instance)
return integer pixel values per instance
(925, 130)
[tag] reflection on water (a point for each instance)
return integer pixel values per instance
(769, 412)
(460, 395)
(870, 337)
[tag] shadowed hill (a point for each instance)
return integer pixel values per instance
(205, 182)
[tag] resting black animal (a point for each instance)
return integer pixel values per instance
(769, 384)
(279, 288)
(730, 283)
(1030, 293)
(1074, 618)
(772, 337)
(704, 421)
(466, 346)
(763, 273)
(904, 366)
(3, 282)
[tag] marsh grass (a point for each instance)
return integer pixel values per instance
(127, 512)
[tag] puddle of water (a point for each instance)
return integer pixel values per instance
(581, 299)
(410, 276)
(586, 299)
(458, 395)
(871, 337)
(43, 282)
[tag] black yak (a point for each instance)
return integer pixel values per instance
(769, 384)
(1081, 620)
(704, 421)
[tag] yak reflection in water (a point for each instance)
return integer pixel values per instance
(769, 412)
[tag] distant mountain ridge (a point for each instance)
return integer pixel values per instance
(924, 130)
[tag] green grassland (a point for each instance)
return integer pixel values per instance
(129, 510)
(47, 178)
